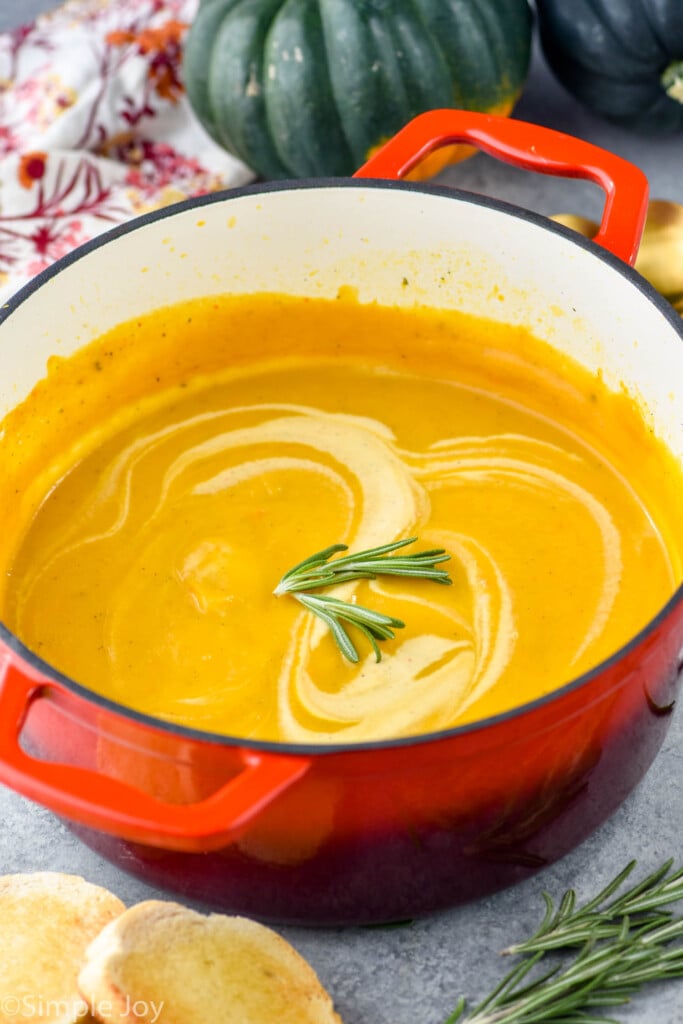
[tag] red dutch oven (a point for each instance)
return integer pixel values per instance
(384, 830)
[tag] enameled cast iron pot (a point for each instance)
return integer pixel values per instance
(392, 829)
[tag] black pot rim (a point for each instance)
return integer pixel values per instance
(649, 293)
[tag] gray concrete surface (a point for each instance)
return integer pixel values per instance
(414, 974)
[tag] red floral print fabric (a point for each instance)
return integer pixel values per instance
(95, 128)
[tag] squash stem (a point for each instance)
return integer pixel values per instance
(672, 80)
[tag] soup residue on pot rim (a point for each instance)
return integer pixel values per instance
(158, 483)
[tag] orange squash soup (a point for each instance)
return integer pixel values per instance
(158, 484)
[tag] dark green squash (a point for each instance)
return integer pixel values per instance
(621, 58)
(299, 88)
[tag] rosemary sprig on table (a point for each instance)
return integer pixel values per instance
(318, 571)
(599, 919)
(622, 945)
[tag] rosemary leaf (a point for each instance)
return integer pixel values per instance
(373, 625)
(613, 945)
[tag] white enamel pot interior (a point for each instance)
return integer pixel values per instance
(456, 251)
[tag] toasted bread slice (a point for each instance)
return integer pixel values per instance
(161, 963)
(47, 920)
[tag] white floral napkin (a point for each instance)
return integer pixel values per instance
(95, 128)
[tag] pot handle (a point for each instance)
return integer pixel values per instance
(532, 148)
(92, 799)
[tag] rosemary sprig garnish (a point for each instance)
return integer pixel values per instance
(622, 945)
(318, 571)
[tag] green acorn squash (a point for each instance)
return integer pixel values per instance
(299, 88)
(621, 58)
